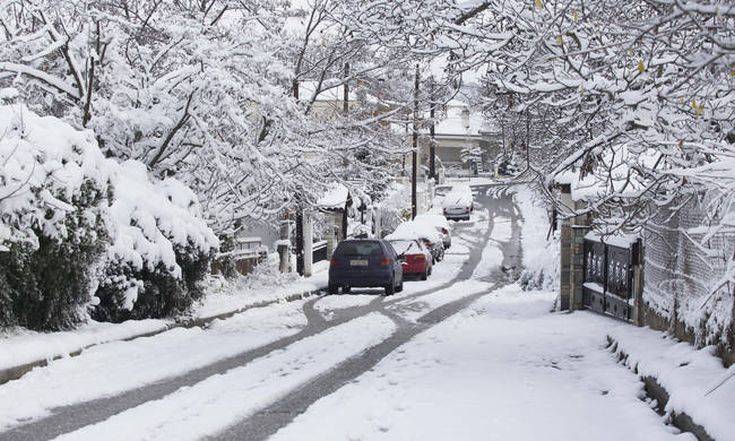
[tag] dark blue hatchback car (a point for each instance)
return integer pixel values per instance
(365, 263)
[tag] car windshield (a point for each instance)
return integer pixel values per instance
(404, 246)
(356, 248)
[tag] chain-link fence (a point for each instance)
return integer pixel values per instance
(685, 286)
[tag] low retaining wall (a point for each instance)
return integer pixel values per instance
(655, 391)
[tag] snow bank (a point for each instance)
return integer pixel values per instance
(540, 256)
(21, 346)
(695, 379)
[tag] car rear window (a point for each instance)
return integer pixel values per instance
(366, 248)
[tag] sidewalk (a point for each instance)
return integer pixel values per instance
(22, 350)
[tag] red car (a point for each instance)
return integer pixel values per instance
(415, 258)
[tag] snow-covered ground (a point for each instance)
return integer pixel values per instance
(219, 401)
(504, 369)
(116, 367)
(21, 346)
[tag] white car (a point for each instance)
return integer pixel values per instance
(440, 223)
(458, 204)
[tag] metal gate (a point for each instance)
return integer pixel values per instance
(608, 278)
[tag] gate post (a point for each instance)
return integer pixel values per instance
(565, 253)
(576, 270)
(308, 243)
(637, 282)
(284, 246)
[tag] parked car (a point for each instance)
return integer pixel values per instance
(416, 259)
(458, 204)
(441, 225)
(421, 231)
(365, 263)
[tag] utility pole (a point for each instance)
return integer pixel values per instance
(432, 135)
(346, 101)
(415, 154)
(299, 211)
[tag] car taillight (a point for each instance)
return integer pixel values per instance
(386, 262)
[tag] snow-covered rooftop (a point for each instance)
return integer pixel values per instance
(335, 197)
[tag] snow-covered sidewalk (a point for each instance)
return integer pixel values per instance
(22, 347)
(504, 369)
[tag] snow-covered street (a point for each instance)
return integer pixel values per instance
(464, 355)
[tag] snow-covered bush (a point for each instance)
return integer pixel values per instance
(161, 247)
(53, 199)
(75, 225)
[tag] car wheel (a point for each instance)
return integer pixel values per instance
(332, 289)
(425, 275)
(431, 270)
(346, 289)
(399, 288)
(390, 289)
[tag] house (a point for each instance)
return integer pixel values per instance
(463, 138)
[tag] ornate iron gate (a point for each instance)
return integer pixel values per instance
(608, 278)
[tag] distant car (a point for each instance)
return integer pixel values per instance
(365, 263)
(424, 232)
(441, 225)
(416, 259)
(458, 205)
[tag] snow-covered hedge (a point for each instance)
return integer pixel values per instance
(75, 225)
(161, 247)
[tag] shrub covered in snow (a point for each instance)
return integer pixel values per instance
(74, 224)
(53, 199)
(161, 247)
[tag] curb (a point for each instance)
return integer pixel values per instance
(656, 391)
(16, 372)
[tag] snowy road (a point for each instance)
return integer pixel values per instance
(454, 357)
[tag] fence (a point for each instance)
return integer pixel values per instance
(247, 253)
(684, 269)
(319, 251)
